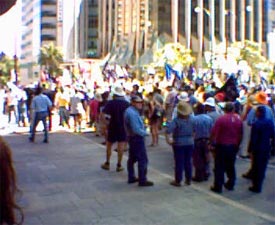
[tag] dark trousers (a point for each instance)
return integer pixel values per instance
(22, 114)
(201, 159)
(64, 115)
(225, 157)
(14, 109)
(39, 116)
(137, 153)
(182, 157)
(259, 164)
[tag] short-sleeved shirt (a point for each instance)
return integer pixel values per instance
(228, 129)
(115, 109)
(41, 103)
(203, 126)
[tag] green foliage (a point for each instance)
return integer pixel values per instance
(51, 57)
(6, 65)
(174, 54)
(251, 53)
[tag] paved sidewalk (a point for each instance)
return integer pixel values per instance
(63, 184)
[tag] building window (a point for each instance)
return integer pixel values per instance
(48, 25)
(94, 3)
(93, 21)
(47, 37)
(48, 14)
(48, 2)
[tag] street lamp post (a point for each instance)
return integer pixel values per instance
(211, 15)
(15, 58)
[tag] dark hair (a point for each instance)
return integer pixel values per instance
(8, 187)
(38, 90)
(229, 107)
(260, 111)
(199, 108)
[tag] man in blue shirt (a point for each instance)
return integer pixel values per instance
(261, 134)
(201, 157)
(261, 101)
(136, 138)
(41, 106)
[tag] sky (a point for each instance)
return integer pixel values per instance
(10, 26)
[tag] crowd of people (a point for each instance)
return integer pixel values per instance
(200, 121)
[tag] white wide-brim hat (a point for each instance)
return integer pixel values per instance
(118, 91)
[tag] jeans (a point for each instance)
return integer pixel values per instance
(137, 153)
(182, 157)
(39, 116)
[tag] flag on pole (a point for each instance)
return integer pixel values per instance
(169, 70)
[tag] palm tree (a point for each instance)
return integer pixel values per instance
(6, 66)
(50, 57)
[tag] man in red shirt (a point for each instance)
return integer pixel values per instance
(226, 136)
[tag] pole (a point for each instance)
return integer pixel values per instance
(250, 9)
(15, 68)
(212, 31)
(15, 59)
(200, 33)
(175, 20)
(188, 24)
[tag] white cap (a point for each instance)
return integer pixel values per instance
(210, 101)
(183, 96)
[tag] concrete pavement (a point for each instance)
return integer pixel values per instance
(62, 184)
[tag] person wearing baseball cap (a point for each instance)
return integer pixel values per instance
(210, 108)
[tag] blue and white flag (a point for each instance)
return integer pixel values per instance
(169, 70)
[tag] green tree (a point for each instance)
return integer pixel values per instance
(251, 52)
(51, 57)
(6, 66)
(174, 54)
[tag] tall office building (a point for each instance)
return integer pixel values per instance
(39, 28)
(202, 25)
(269, 28)
(213, 25)
(129, 28)
(124, 29)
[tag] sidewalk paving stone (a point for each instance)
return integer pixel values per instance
(62, 184)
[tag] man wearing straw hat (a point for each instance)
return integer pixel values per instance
(182, 129)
